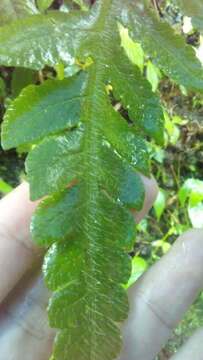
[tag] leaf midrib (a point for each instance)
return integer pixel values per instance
(92, 163)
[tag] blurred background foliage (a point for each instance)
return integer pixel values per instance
(178, 166)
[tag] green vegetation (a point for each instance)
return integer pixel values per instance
(93, 115)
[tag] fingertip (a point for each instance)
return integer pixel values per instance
(151, 191)
(151, 188)
(191, 242)
(194, 235)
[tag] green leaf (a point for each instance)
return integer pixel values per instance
(60, 157)
(165, 246)
(133, 49)
(168, 50)
(4, 187)
(73, 298)
(60, 71)
(172, 130)
(21, 78)
(50, 39)
(11, 10)
(125, 140)
(44, 4)
(139, 266)
(193, 9)
(192, 188)
(196, 196)
(153, 75)
(97, 347)
(55, 211)
(125, 184)
(42, 105)
(143, 106)
(2, 87)
(196, 215)
(160, 203)
(59, 267)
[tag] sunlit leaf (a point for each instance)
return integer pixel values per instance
(196, 215)
(44, 4)
(139, 265)
(5, 188)
(160, 203)
(133, 49)
(153, 75)
(192, 189)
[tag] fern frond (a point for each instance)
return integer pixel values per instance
(80, 139)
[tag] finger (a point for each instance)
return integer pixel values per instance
(24, 326)
(151, 191)
(161, 297)
(17, 251)
(193, 349)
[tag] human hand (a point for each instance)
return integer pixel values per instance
(158, 299)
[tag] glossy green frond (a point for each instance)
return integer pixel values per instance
(11, 10)
(51, 107)
(108, 342)
(193, 9)
(168, 50)
(48, 39)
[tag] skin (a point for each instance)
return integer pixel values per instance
(158, 300)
